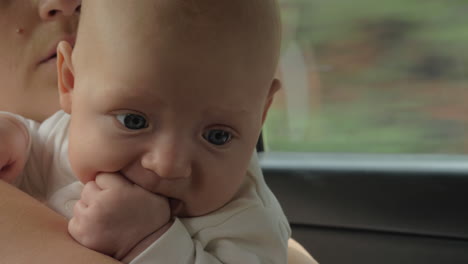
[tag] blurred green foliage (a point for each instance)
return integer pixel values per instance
(403, 63)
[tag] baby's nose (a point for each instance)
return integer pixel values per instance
(169, 161)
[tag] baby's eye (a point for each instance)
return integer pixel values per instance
(132, 121)
(217, 136)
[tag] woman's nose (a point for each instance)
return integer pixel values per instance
(50, 9)
(169, 161)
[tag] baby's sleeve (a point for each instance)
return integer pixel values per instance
(251, 236)
(24, 182)
(27, 124)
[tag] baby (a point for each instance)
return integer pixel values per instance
(160, 127)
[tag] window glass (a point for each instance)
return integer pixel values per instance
(387, 76)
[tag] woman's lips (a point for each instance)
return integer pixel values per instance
(49, 65)
(51, 59)
(51, 55)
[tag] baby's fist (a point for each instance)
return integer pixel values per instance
(114, 215)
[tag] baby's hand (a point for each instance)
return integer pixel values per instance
(114, 215)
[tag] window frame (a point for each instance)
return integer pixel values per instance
(418, 200)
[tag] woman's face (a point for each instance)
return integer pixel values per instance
(30, 31)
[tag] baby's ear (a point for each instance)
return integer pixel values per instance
(66, 75)
(275, 86)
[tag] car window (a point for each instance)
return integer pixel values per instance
(388, 76)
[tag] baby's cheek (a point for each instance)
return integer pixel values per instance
(105, 159)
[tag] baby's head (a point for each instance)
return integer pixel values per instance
(170, 93)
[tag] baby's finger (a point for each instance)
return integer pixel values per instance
(111, 180)
(76, 230)
(73, 228)
(79, 209)
(89, 192)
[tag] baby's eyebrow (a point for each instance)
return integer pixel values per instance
(227, 111)
(120, 92)
(232, 117)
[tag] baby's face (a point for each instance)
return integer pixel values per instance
(178, 116)
(182, 128)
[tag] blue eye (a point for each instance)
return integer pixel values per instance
(217, 136)
(132, 121)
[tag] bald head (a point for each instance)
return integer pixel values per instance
(187, 67)
(245, 29)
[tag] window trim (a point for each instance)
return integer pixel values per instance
(427, 164)
(379, 193)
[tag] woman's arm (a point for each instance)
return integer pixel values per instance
(297, 254)
(32, 233)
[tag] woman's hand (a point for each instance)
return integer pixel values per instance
(114, 215)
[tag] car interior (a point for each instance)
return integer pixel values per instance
(373, 209)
